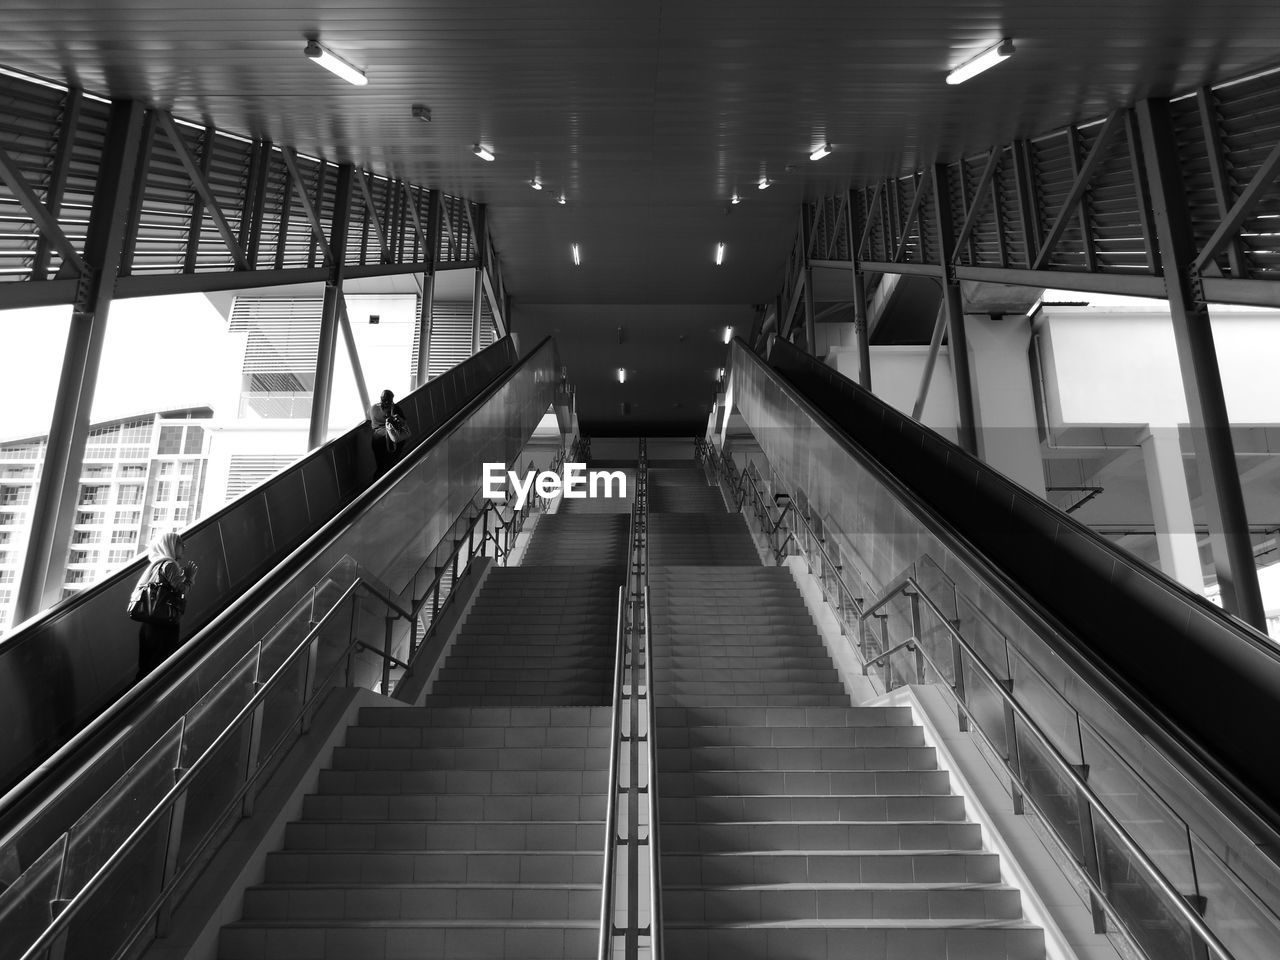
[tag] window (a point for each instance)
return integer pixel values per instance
(86, 536)
(180, 514)
(170, 440)
(195, 440)
(16, 473)
(163, 490)
(29, 451)
(6, 536)
(184, 490)
(77, 576)
(4, 556)
(188, 468)
(6, 576)
(94, 494)
(129, 516)
(15, 495)
(84, 556)
(89, 517)
(160, 515)
(165, 469)
(119, 556)
(8, 519)
(96, 470)
(130, 493)
(133, 470)
(124, 536)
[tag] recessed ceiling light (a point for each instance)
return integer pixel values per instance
(984, 61)
(821, 152)
(764, 184)
(561, 199)
(577, 256)
(621, 374)
(719, 254)
(735, 198)
(535, 183)
(482, 152)
(335, 64)
(422, 112)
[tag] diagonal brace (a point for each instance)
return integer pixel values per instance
(922, 186)
(866, 229)
(980, 197)
(1081, 184)
(1249, 199)
(201, 184)
(362, 178)
(45, 221)
(411, 203)
(291, 161)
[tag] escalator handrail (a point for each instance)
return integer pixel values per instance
(273, 579)
(1233, 797)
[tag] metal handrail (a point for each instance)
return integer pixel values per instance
(1179, 902)
(611, 804)
(177, 792)
(906, 582)
(655, 832)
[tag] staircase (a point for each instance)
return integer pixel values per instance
(795, 825)
(473, 825)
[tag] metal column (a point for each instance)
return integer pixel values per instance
(477, 293)
(1222, 495)
(424, 329)
(954, 306)
(55, 504)
(323, 390)
(860, 320)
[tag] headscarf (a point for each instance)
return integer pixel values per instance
(164, 546)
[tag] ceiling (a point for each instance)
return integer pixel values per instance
(648, 115)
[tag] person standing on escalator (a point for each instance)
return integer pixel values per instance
(390, 430)
(162, 590)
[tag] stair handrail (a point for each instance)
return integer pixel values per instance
(605, 945)
(173, 802)
(908, 586)
(656, 932)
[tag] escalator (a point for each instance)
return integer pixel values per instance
(322, 575)
(1128, 715)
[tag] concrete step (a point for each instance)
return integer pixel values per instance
(719, 869)
(442, 866)
(497, 782)
(454, 807)
(799, 759)
(864, 809)
(759, 736)
(854, 837)
(816, 783)
(846, 716)
(861, 939)
(486, 758)
(838, 902)
(473, 716)
(422, 901)
(435, 835)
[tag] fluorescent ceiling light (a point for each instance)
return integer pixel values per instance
(622, 374)
(482, 152)
(577, 256)
(735, 198)
(984, 61)
(719, 254)
(335, 64)
(561, 199)
(728, 334)
(821, 152)
(535, 183)
(765, 183)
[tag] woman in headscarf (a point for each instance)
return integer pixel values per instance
(385, 450)
(157, 640)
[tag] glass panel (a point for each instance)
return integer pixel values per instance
(1247, 927)
(1149, 918)
(986, 706)
(24, 904)
(1051, 791)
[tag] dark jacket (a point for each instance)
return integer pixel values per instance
(378, 417)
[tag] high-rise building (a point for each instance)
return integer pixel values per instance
(142, 475)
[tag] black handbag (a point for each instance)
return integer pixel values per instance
(155, 601)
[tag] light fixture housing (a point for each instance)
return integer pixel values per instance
(735, 198)
(562, 200)
(535, 183)
(764, 184)
(484, 153)
(821, 152)
(984, 61)
(335, 64)
(577, 255)
(621, 374)
(719, 254)
(422, 112)
(728, 334)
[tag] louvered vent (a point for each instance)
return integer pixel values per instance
(280, 356)
(450, 336)
(249, 470)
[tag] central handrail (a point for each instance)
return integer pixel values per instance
(605, 944)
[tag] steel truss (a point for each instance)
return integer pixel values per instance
(1175, 199)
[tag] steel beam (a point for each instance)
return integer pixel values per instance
(202, 188)
(859, 301)
(322, 391)
(46, 223)
(1138, 170)
(954, 307)
(1082, 207)
(1024, 179)
(477, 291)
(1218, 174)
(349, 337)
(1235, 217)
(979, 198)
(58, 175)
(922, 186)
(1075, 196)
(317, 229)
(54, 510)
(935, 344)
(424, 329)
(810, 324)
(866, 229)
(251, 223)
(1221, 493)
(1126, 284)
(362, 178)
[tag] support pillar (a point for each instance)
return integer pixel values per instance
(1221, 493)
(424, 329)
(477, 293)
(860, 332)
(45, 564)
(1171, 508)
(1005, 411)
(322, 392)
(954, 306)
(810, 327)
